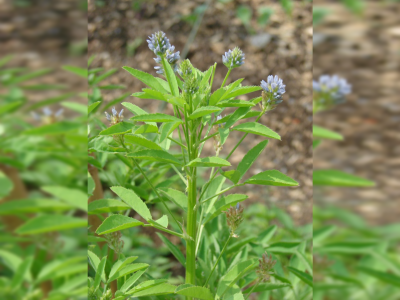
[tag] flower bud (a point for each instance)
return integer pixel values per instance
(233, 58)
(273, 89)
(234, 216)
(329, 91)
(115, 117)
(158, 43)
(264, 267)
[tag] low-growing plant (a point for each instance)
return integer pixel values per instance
(215, 266)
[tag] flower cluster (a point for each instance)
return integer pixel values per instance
(217, 138)
(48, 116)
(160, 45)
(233, 58)
(273, 89)
(234, 216)
(115, 117)
(264, 267)
(329, 91)
(114, 241)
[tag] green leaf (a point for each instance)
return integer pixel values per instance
(155, 118)
(76, 198)
(174, 249)
(76, 70)
(32, 206)
(305, 277)
(116, 223)
(283, 247)
(150, 94)
(22, 272)
(94, 260)
(92, 106)
(55, 128)
(267, 234)
(131, 280)
(234, 274)
(121, 263)
(127, 270)
(106, 206)
(223, 133)
(161, 289)
(232, 175)
(339, 178)
(322, 233)
(10, 260)
(257, 128)
(130, 198)
(119, 128)
(155, 155)
(203, 111)
(104, 76)
(6, 186)
(49, 223)
(136, 110)
(146, 285)
(348, 247)
(147, 128)
(250, 158)
(242, 91)
(208, 162)
(382, 276)
(319, 132)
(267, 287)
(78, 107)
(170, 75)
(235, 103)
(29, 76)
(197, 292)
(223, 204)
(146, 78)
(272, 177)
(175, 196)
(141, 141)
(49, 101)
(167, 129)
(100, 273)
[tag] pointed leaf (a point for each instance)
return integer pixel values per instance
(141, 141)
(49, 223)
(382, 276)
(267, 287)
(130, 198)
(121, 263)
(155, 155)
(339, 178)
(250, 158)
(74, 197)
(170, 75)
(242, 91)
(257, 128)
(22, 272)
(119, 128)
(174, 249)
(272, 177)
(232, 175)
(305, 277)
(167, 129)
(117, 222)
(131, 280)
(32, 206)
(197, 292)
(146, 78)
(161, 289)
(208, 162)
(99, 273)
(106, 206)
(155, 118)
(320, 132)
(235, 103)
(175, 196)
(127, 270)
(203, 111)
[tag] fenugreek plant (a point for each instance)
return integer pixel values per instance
(353, 260)
(149, 143)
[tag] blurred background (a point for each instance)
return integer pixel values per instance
(276, 37)
(360, 41)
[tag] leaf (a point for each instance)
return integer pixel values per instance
(175, 196)
(127, 270)
(118, 265)
(267, 234)
(49, 223)
(382, 276)
(242, 91)
(161, 289)
(147, 128)
(223, 204)
(322, 233)
(74, 197)
(99, 273)
(106, 206)
(197, 292)
(155, 118)
(223, 133)
(305, 277)
(76, 70)
(155, 155)
(163, 221)
(167, 129)
(10, 260)
(146, 78)
(119, 128)
(78, 107)
(319, 132)
(32, 206)
(92, 106)
(116, 223)
(339, 178)
(250, 158)
(104, 76)
(348, 247)
(235, 103)
(170, 75)
(94, 260)
(54, 128)
(257, 128)
(131, 280)
(49, 101)
(130, 198)
(267, 287)
(6, 186)
(22, 272)
(234, 274)
(146, 285)
(29, 76)
(150, 94)
(272, 177)
(203, 111)
(141, 141)
(208, 162)
(232, 175)
(174, 249)
(283, 247)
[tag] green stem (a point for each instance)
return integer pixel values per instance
(164, 229)
(221, 192)
(216, 263)
(179, 174)
(209, 137)
(191, 230)
(226, 77)
(251, 291)
(176, 142)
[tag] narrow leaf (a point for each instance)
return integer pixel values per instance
(257, 128)
(208, 162)
(117, 222)
(272, 177)
(130, 198)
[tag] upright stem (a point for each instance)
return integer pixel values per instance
(191, 231)
(216, 263)
(226, 77)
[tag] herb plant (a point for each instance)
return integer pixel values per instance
(153, 145)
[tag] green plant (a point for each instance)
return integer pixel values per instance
(156, 161)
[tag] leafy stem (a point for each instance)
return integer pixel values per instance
(226, 77)
(164, 229)
(219, 257)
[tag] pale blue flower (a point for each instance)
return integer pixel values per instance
(233, 58)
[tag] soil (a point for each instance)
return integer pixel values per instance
(364, 50)
(282, 47)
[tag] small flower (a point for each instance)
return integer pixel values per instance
(159, 43)
(234, 216)
(273, 89)
(233, 58)
(115, 117)
(185, 69)
(329, 91)
(264, 267)
(171, 57)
